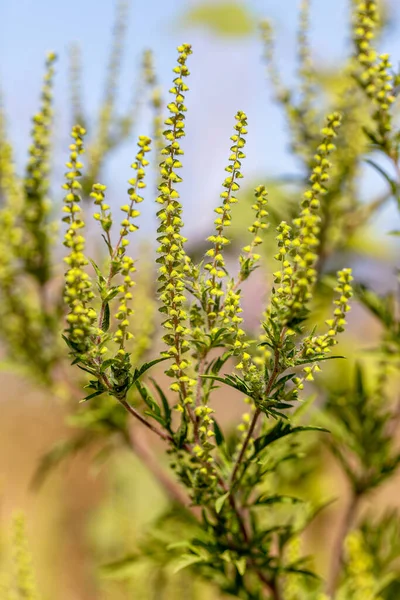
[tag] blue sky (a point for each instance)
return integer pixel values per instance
(227, 75)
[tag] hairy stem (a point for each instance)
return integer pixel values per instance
(164, 436)
(256, 416)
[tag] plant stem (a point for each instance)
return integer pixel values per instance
(137, 415)
(338, 548)
(142, 449)
(256, 415)
(245, 445)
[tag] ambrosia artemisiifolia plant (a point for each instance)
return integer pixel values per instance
(201, 305)
(237, 496)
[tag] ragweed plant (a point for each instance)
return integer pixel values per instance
(201, 305)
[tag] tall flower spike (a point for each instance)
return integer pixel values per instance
(216, 264)
(306, 72)
(303, 126)
(374, 73)
(78, 292)
(127, 265)
(36, 184)
(314, 347)
(102, 142)
(104, 216)
(172, 255)
(249, 258)
(298, 244)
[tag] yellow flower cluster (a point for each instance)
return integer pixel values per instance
(374, 76)
(104, 216)
(216, 266)
(360, 583)
(314, 346)
(36, 184)
(249, 258)
(78, 289)
(172, 255)
(298, 244)
(127, 263)
(231, 309)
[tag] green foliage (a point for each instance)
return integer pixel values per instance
(361, 422)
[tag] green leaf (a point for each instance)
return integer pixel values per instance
(148, 398)
(72, 345)
(393, 185)
(277, 499)
(280, 430)
(165, 403)
(105, 324)
(219, 436)
(100, 276)
(241, 565)
(186, 560)
(217, 365)
(220, 502)
(97, 393)
(110, 249)
(233, 381)
(180, 435)
(380, 307)
(145, 367)
(225, 19)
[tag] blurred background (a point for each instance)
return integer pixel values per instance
(86, 512)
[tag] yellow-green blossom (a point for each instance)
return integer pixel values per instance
(36, 250)
(216, 266)
(78, 290)
(298, 244)
(172, 271)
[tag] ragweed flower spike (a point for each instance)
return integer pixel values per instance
(120, 263)
(300, 114)
(374, 74)
(36, 184)
(104, 137)
(249, 257)
(216, 266)
(78, 291)
(172, 271)
(126, 264)
(298, 243)
(317, 347)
